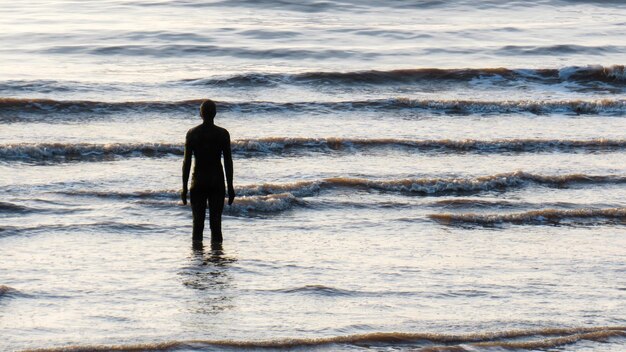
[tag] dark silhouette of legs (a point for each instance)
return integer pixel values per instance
(216, 207)
(214, 197)
(198, 207)
(198, 247)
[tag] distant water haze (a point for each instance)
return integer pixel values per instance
(411, 175)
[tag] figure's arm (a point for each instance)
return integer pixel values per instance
(186, 169)
(228, 166)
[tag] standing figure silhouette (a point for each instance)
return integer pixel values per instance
(207, 143)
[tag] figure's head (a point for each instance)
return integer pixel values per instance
(207, 110)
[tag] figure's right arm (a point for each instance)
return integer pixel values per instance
(186, 168)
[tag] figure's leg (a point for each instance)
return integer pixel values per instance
(216, 206)
(198, 207)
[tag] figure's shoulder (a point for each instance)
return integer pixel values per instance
(193, 131)
(223, 132)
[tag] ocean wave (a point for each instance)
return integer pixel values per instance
(144, 194)
(34, 105)
(112, 226)
(100, 227)
(558, 50)
(419, 186)
(309, 6)
(321, 290)
(250, 200)
(280, 145)
(186, 50)
(598, 336)
(464, 203)
(82, 151)
(615, 74)
(40, 85)
(536, 217)
(504, 339)
(303, 188)
(481, 203)
(594, 73)
(315, 6)
(591, 76)
(285, 5)
(271, 203)
(269, 51)
(7, 207)
(14, 109)
(497, 182)
(7, 291)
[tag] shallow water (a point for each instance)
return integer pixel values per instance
(433, 175)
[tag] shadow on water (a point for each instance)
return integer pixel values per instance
(208, 275)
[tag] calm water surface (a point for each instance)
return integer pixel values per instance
(412, 175)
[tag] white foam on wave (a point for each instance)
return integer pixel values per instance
(277, 145)
(271, 203)
(94, 109)
(542, 216)
(427, 186)
(593, 72)
(43, 151)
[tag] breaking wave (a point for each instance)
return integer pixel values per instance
(18, 108)
(452, 342)
(81, 151)
(27, 105)
(436, 186)
(422, 186)
(247, 202)
(280, 144)
(537, 217)
(271, 203)
(86, 151)
(594, 73)
(588, 76)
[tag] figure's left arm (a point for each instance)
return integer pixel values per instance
(228, 166)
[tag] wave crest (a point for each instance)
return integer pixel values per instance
(435, 186)
(564, 336)
(423, 186)
(534, 217)
(6, 290)
(281, 144)
(317, 290)
(13, 208)
(591, 76)
(592, 73)
(17, 108)
(272, 203)
(82, 151)
(278, 145)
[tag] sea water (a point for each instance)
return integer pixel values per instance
(411, 175)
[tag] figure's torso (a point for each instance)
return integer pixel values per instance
(207, 143)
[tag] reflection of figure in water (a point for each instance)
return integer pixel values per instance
(208, 142)
(208, 273)
(216, 257)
